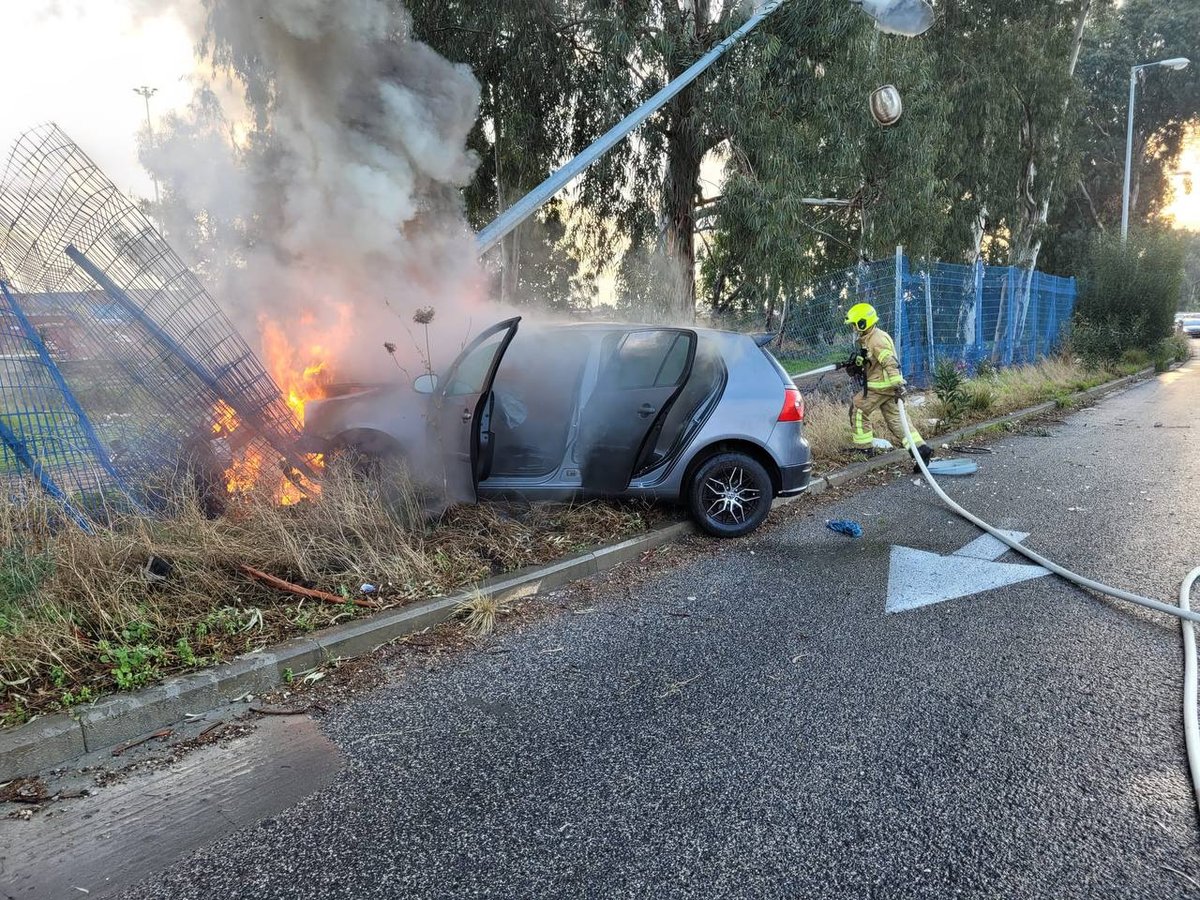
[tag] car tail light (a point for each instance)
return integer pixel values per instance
(793, 405)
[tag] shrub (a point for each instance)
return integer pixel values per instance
(1128, 295)
(1177, 348)
(949, 384)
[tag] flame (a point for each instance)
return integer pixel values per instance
(225, 419)
(301, 374)
(301, 369)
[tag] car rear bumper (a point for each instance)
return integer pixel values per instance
(794, 479)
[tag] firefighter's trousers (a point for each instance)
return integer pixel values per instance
(867, 402)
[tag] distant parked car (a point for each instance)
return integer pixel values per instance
(708, 418)
(1189, 323)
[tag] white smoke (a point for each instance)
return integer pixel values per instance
(320, 166)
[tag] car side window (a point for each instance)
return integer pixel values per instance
(472, 371)
(646, 359)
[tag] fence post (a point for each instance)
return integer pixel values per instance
(1035, 304)
(898, 320)
(930, 362)
(979, 308)
(1011, 324)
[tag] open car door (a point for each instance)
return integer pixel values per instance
(640, 376)
(463, 408)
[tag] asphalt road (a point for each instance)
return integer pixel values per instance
(753, 725)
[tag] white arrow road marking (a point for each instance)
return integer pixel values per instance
(989, 548)
(917, 578)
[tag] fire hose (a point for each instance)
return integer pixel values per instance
(1184, 612)
(1191, 727)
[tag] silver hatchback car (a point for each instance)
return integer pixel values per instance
(693, 415)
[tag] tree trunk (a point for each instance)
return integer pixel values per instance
(1027, 241)
(688, 24)
(1135, 188)
(1027, 245)
(683, 177)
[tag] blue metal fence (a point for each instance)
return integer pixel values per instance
(934, 311)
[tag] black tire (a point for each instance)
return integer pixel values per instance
(730, 495)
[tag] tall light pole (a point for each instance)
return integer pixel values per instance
(1177, 63)
(146, 93)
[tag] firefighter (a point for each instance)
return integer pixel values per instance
(874, 360)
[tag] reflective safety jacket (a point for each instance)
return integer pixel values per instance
(880, 360)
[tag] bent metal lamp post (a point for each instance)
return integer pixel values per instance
(905, 17)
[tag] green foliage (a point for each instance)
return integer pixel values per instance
(302, 618)
(131, 666)
(985, 368)
(995, 127)
(15, 715)
(1175, 349)
(187, 656)
(980, 397)
(1128, 296)
(78, 697)
(949, 384)
(20, 575)
(137, 632)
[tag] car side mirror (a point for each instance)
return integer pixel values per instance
(425, 384)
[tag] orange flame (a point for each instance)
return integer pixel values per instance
(302, 375)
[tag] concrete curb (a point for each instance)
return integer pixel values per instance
(53, 740)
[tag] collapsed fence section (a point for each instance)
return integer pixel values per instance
(934, 311)
(137, 341)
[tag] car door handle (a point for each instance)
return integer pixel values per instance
(646, 410)
(468, 415)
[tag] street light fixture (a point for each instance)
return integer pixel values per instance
(146, 93)
(1176, 64)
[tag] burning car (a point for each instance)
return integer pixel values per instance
(703, 417)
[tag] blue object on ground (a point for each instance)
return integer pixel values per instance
(953, 467)
(846, 527)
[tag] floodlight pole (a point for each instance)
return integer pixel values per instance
(146, 93)
(1177, 63)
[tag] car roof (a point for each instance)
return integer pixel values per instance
(633, 326)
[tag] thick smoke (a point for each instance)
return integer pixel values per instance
(317, 174)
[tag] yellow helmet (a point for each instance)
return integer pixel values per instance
(862, 317)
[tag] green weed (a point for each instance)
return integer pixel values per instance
(131, 667)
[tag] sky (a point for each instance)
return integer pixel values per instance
(1184, 209)
(76, 63)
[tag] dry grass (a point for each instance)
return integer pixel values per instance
(82, 614)
(827, 427)
(480, 611)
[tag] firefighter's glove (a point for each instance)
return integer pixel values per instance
(901, 391)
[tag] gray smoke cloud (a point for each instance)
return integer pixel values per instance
(316, 176)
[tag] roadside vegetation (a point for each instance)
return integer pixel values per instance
(1129, 295)
(83, 615)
